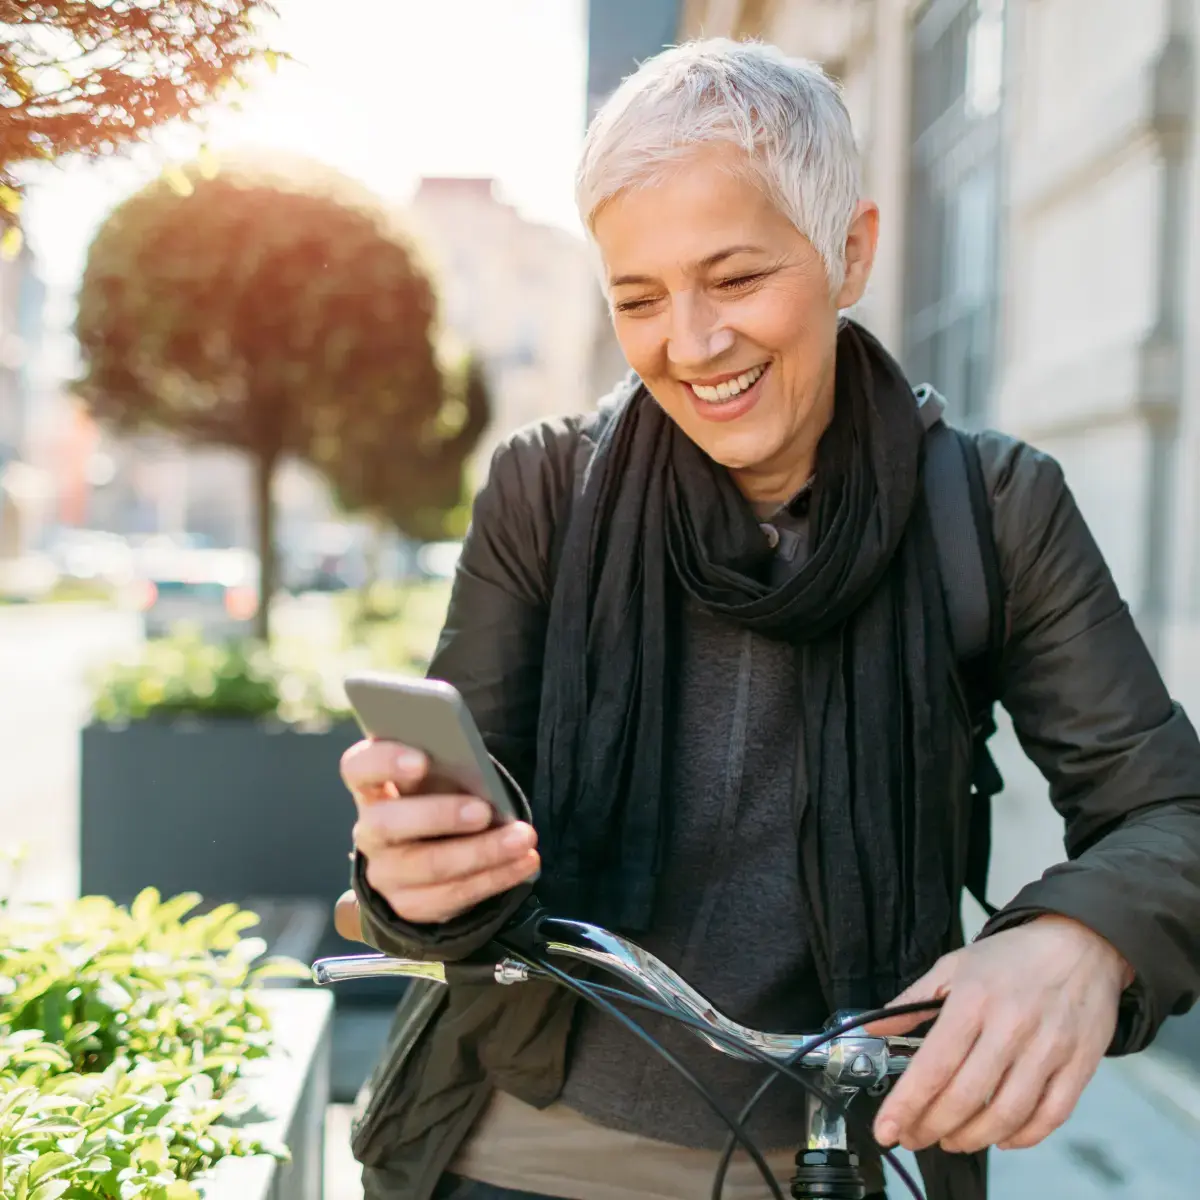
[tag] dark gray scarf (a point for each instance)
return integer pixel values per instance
(657, 518)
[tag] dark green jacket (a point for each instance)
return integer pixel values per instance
(1122, 761)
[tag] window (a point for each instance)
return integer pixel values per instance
(951, 302)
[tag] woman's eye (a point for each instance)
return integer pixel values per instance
(738, 281)
(629, 306)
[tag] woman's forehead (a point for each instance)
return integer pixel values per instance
(697, 218)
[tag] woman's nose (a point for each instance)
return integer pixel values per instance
(696, 335)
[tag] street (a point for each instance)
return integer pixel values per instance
(46, 653)
(1135, 1135)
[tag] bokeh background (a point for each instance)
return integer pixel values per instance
(205, 424)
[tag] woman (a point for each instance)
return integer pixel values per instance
(702, 630)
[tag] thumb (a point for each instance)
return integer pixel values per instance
(934, 985)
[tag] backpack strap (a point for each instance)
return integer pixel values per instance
(973, 586)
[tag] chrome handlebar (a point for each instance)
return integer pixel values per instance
(852, 1060)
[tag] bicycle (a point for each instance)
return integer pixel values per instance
(851, 1061)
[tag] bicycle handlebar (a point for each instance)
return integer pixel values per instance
(853, 1059)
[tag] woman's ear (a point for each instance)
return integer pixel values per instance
(861, 242)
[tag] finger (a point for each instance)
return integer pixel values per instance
(1057, 1103)
(934, 985)
(346, 918)
(427, 864)
(443, 902)
(933, 1066)
(369, 766)
(972, 1094)
(415, 818)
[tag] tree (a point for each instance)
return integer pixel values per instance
(426, 494)
(91, 77)
(272, 311)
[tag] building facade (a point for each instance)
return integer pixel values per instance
(517, 293)
(1036, 163)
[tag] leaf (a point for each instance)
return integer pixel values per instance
(176, 179)
(207, 163)
(144, 907)
(50, 1164)
(10, 199)
(272, 60)
(280, 968)
(152, 1150)
(11, 243)
(51, 1190)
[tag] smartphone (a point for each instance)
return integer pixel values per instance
(429, 715)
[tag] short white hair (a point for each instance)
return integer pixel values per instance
(786, 114)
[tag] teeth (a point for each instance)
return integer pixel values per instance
(733, 387)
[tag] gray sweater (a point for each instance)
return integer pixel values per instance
(729, 914)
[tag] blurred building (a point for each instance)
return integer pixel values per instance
(517, 293)
(1037, 163)
(22, 295)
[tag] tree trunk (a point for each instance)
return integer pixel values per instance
(264, 478)
(371, 564)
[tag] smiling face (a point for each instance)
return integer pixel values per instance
(724, 310)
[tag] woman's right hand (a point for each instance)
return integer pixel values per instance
(432, 857)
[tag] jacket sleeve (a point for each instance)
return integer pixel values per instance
(1122, 761)
(491, 650)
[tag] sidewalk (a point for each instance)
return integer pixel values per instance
(1127, 1140)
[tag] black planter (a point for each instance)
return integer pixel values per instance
(235, 810)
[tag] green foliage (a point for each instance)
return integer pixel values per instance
(183, 675)
(81, 76)
(426, 492)
(124, 1038)
(395, 627)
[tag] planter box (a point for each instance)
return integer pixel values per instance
(234, 810)
(291, 1094)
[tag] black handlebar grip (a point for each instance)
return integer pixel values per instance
(467, 972)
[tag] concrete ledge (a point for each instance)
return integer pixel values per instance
(291, 1093)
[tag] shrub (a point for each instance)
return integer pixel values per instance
(182, 676)
(124, 1038)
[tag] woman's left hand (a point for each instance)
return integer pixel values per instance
(1029, 1014)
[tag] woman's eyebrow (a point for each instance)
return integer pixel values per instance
(704, 264)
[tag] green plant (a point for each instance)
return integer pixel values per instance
(396, 626)
(184, 675)
(274, 308)
(125, 1035)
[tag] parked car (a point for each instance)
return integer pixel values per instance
(215, 591)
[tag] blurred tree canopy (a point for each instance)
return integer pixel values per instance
(90, 76)
(426, 495)
(279, 312)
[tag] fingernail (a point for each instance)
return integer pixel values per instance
(885, 1132)
(474, 812)
(408, 760)
(517, 838)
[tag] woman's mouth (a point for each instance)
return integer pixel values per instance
(731, 398)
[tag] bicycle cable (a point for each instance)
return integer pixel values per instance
(588, 992)
(596, 993)
(861, 1126)
(784, 1068)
